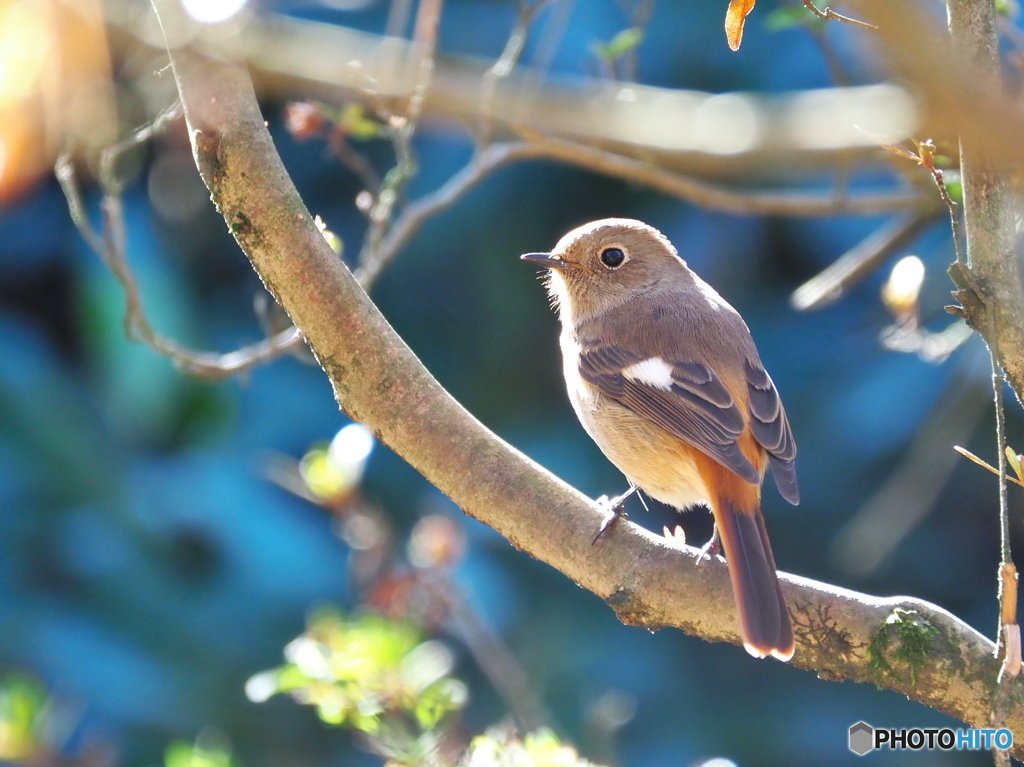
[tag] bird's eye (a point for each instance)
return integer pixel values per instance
(613, 257)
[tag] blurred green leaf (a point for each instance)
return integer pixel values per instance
(792, 16)
(24, 704)
(619, 45)
(439, 700)
(368, 672)
(205, 752)
(358, 124)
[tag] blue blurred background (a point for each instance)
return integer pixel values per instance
(148, 567)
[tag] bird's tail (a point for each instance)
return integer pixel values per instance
(764, 618)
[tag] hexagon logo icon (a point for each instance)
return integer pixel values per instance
(862, 738)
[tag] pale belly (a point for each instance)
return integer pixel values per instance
(649, 457)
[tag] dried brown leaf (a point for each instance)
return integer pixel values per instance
(734, 18)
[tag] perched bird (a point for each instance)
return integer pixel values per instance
(665, 377)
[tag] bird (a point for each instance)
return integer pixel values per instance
(664, 376)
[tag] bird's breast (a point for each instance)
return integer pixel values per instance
(659, 463)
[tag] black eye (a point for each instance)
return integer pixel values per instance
(612, 257)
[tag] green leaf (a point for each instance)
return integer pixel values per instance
(618, 46)
(792, 16)
(23, 712)
(358, 124)
(183, 754)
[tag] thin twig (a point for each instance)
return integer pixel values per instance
(110, 155)
(831, 283)
(355, 161)
(109, 244)
(1011, 660)
(494, 658)
(416, 214)
(705, 194)
(497, 156)
(1004, 514)
(504, 65)
(640, 18)
(401, 131)
(828, 15)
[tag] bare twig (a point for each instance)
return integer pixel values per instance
(924, 155)
(639, 18)
(766, 202)
(401, 131)
(504, 65)
(110, 155)
(828, 15)
(110, 243)
(497, 156)
(416, 214)
(831, 283)
(499, 664)
(355, 162)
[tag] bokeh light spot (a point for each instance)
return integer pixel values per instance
(212, 11)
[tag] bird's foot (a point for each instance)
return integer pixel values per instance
(712, 548)
(616, 511)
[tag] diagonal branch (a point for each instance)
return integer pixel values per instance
(742, 201)
(378, 381)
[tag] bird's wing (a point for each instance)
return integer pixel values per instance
(770, 427)
(685, 398)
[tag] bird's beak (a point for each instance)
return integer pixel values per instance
(546, 260)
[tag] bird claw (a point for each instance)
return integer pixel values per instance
(710, 549)
(616, 511)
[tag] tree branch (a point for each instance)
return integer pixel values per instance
(962, 96)
(778, 202)
(110, 245)
(292, 57)
(829, 285)
(378, 381)
(992, 263)
(828, 15)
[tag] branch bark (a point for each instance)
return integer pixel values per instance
(378, 380)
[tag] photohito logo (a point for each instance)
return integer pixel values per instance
(865, 738)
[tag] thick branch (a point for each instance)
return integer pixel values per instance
(805, 131)
(988, 200)
(378, 381)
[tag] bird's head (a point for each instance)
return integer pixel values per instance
(603, 264)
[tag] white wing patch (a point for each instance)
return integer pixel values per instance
(653, 372)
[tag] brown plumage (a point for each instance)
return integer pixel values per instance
(665, 377)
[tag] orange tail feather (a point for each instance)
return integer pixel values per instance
(764, 617)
